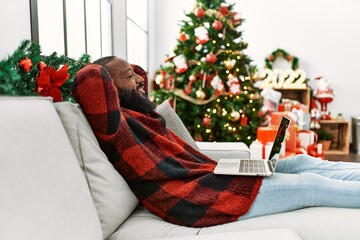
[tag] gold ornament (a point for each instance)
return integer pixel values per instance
(229, 64)
(200, 94)
(234, 116)
(159, 79)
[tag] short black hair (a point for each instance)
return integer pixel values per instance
(104, 61)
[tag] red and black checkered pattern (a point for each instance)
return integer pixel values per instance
(169, 177)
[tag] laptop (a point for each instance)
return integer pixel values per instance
(255, 167)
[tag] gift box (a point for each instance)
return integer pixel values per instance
(262, 151)
(266, 134)
(277, 116)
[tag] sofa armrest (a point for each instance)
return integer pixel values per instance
(217, 150)
(268, 234)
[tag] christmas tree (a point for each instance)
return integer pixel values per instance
(208, 78)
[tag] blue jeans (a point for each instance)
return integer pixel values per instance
(303, 181)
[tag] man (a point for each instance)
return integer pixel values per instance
(176, 182)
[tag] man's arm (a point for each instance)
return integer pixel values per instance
(97, 95)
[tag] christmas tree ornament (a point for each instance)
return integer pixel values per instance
(183, 37)
(206, 121)
(243, 120)
(170, 83)
(200, 94)
(229, 63)
(201, 35)
(224, 10)
(234, 116)
(159, 79)
(217, 84)
(199, 12)
(211, 58)
(25, 64)
(181, 64)
(189, 87)
(235, 18)
(234, 89)
(232, 80)
(207, 25)
(217, 25)
(192, 78)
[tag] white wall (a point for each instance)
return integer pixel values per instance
(14, 25)
(323, 34)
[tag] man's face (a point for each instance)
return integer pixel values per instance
(125, 77)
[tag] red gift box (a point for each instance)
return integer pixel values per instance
(266, 134)
(277, 116)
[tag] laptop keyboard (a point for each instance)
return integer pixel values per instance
(252, 166)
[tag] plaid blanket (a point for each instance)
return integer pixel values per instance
(170, 178)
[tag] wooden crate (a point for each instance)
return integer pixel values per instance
(340, 129)
(299, 94)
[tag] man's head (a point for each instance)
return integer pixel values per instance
(130, 85)
(123, 74)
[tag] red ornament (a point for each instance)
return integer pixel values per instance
(25, 64)
(181, 70)
(199, 12)
(217, 25)
(224, 10)
(206, 121)
(183, 37)
(211, 58)
(243, 121)
(201, 41)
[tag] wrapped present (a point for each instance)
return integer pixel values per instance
(266, 134)
(277, 116)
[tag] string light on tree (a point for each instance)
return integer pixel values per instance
(213, 49)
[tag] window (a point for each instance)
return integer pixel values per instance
(137, 32)
(73, 27)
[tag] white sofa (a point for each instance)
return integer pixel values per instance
(56, 183)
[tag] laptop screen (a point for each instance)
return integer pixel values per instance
(280, 137)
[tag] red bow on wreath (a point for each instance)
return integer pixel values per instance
(49, 82)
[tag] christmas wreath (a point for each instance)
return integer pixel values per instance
(27, 73)
(282, 54)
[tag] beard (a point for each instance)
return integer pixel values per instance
(132, 100)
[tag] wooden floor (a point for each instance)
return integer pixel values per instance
(345, 158)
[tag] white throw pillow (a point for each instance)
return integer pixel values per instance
(174, 123)
(113, 199)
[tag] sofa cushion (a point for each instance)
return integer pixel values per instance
(319, 223)
(43, 193)
(174, 123)
(112, 196)
(268, 234)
